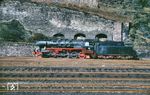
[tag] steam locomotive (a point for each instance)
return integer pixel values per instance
(87, 49)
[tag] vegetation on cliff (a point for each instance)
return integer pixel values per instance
(37, 37)
(140, 34)
(12, 31)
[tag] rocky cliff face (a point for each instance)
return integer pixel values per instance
(50, 20)
(88, 3)
(96, 3)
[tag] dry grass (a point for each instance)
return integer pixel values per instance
(65, 62)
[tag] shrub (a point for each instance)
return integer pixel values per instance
(37, 37)
(12, 31)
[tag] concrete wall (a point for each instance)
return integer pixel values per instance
(117, 34)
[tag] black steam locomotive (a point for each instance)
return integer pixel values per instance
(84, 49)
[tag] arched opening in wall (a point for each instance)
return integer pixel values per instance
(79, 36)
(101, 37)
(59, 36)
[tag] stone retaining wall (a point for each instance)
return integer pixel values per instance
(24, 49)
(16, 49)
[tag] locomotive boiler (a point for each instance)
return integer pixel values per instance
(84, 49)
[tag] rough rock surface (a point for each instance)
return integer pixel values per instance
(51, 20)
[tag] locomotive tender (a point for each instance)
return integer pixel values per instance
(90, 49)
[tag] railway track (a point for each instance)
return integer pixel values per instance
(132, 80)
(73, 69)
(74, 72)
(73, 79)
